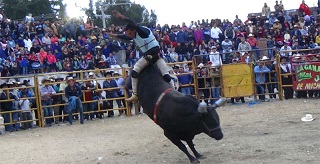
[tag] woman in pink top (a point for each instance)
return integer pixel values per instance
(51, 62)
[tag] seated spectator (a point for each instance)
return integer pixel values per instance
(112, 61)
(73, 93)
(27, 42)
(51, 62)
(67, 65)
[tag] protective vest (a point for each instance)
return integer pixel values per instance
(146, 44)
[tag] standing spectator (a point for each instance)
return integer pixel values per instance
(198, 35)
(215, 57)
(253, 43)
(113, 63)
(229, 33)
(89, 88)
(24, 64)
(73, 93)
(285, 68)
(8, 106)
(227, 46)
(46, 93)
(304, 8)
(120, 84)
(260, 72)
(215, 32)
(111, 94)
(244, 45)
(185, 80)
(24, 104)
(266, 10)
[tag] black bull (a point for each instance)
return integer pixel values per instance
(178, 115)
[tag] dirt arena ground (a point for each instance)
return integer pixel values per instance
(270, 132)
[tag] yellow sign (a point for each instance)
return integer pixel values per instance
(237, 80)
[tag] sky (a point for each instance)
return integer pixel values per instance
(178, 11)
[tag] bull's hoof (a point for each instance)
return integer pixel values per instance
(195, 161)
(200, 156)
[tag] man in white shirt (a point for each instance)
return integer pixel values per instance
(215, 57)
(215, 31)
(24, 104)
(285, 50)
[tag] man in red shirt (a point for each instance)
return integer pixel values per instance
(253, 43)
(304, 8)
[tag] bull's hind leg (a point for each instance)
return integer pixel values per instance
(195, 152)
(176, 140)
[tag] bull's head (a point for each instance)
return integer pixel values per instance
(210, 119)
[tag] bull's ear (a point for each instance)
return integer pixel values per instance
(202, 108)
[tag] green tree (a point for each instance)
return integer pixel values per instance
(18, 9)
(134, 11)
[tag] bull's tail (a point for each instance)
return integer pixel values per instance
(202, 108)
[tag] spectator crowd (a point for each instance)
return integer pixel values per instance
(42, 46)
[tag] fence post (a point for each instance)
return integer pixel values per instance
(38, 100)
(280, 91)
(195, 83)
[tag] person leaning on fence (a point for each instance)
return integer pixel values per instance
(146, 41)
(8, 106)
(73, 93)
(46, 93)
(26, 115)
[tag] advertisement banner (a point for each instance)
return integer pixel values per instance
(307, 77)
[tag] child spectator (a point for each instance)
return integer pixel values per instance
(24, 104)
(24, 65)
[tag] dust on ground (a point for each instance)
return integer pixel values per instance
(270, 132)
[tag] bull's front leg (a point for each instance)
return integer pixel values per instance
(176, 140)
(195, 152)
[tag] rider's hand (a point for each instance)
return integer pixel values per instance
(117, 14)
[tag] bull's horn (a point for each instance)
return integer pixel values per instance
(202, 108)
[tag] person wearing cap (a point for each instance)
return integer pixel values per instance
(260, 71)
(146, 41)
(285, 50)
(111, 83)
(73, 93)
(227, 47)
(46, 93)
(215, 58)
(272, 19)
(89, 88)
(9, 105)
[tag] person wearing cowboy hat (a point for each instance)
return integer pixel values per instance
(73, 93)
(148, 44)
(111, 83)
(120, 83)
(285, 50)
(89, 88)
(9, 105)
(260, 73)
(46, 93)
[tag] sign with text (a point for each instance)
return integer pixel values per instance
(307, 77)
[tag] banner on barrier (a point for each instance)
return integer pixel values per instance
(307, 77)
(237, 80)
